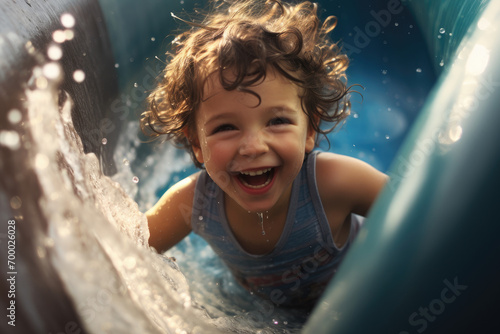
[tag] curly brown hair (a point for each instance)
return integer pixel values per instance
(240, 40)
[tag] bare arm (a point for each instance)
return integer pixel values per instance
(169, 219)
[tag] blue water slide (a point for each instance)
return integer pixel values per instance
(427, 259)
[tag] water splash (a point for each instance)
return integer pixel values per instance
(96, 238)
(261, 217)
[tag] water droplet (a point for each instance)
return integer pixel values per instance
(285, 322)
(104, 141)
(41, 83)
(275, 321)
(14, 116)
(387, 137)
(135, 179)
(15, 202)
(136, 85)
(396, 24)
(29, 47)
(54, 52)
(79, 76)
(153, 39)
(117, 65)
(441, 63)
(67, 20)
(442, 31)
(200, 218)
(41, 161)
(261, 216)
(59, 36)
(418, 70)
(10, 139)
(41, 252)
(51, 71)
(384, 72)
(69, 34)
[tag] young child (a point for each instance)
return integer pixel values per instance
(246, 93)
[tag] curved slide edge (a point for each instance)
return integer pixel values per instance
(41, 303)
(426, 259)
(444, 24)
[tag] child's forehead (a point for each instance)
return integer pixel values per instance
(212, 84)
(272, 94)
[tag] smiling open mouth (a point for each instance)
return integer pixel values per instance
(256, 179)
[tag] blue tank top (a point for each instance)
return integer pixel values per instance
(297, 270)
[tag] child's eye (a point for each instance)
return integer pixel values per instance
(223, 128)
(279, 121)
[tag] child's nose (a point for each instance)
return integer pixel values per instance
(253, 145)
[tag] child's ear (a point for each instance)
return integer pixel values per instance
(311, 137)
(195, 144)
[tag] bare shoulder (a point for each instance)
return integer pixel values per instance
(169, 219)
(346, 180)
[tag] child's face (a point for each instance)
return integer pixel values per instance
(253, 151)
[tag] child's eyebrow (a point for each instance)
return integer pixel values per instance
(218, 117)
(281, 108)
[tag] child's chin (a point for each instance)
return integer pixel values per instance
(257, 208)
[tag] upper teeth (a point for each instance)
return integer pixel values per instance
(256, 172)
